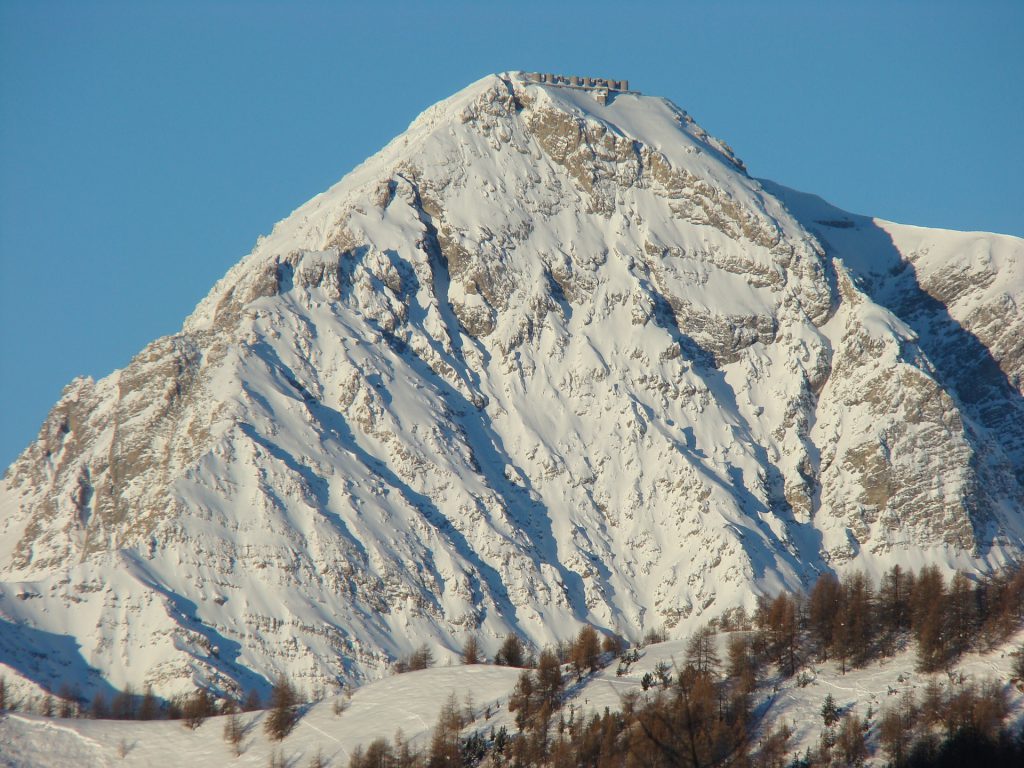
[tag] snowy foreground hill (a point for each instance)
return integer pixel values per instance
(411, 702)
(541, 362)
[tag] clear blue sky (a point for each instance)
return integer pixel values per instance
(145, 146)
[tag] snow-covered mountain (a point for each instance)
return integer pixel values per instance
(547, 359)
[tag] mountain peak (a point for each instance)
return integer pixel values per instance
(550, 357)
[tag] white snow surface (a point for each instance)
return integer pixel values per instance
(411, 703)
(538, 363)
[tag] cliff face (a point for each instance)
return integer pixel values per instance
(541, 361)
(940, 457)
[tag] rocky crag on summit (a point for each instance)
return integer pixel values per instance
(541, 362)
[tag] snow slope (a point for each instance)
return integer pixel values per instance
(411, 703)
(540, 362)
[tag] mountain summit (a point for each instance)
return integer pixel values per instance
(551, 357)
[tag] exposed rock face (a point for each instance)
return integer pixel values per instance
(539, 362)
(938, 456)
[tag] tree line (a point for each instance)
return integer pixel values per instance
(283, 707)
(852, 622)
(702, 712)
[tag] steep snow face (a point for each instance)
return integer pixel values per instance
(541, 361)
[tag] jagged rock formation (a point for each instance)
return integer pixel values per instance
(541, 361)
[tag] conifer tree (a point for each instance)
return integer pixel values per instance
(122, 707)
(99, 707)
(67, 705)
(445, 744)
(741, 664)
(829, 711)
(929, 619)
(471, 653)
(283, 714)
(149, 708)
(252, 701)
(850, 742)
(933, 703)
(822, 607)
(702, 651)
(586, 652)
(511, 653)
(841, 636)
(379, 754)
(405, 756)
(549, 678)
(421, 658)
(234, 733)
(859, 614)
(962, 617)
(522, 701)
(782, 629)
(197, 708)
(894, 599)
(893, 606)
(611, 644)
